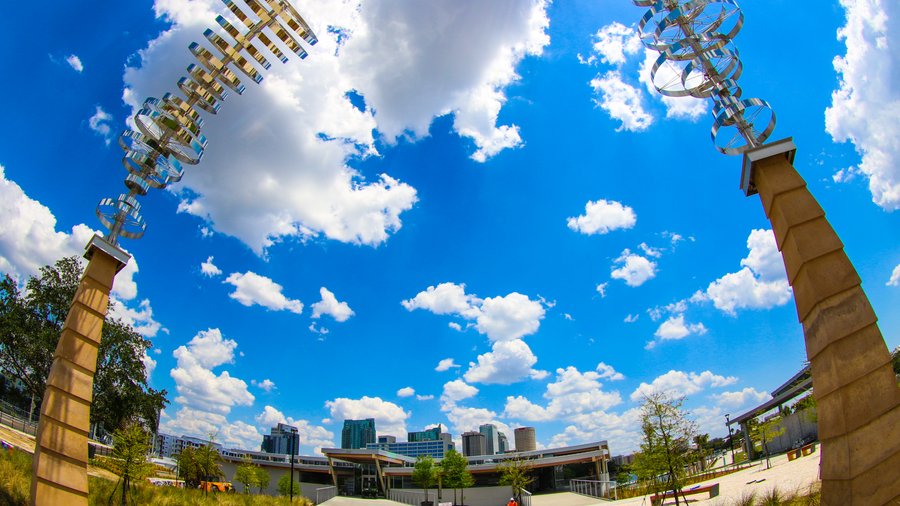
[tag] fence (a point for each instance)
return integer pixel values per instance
(526, 498)
(412, 497)
(325, 493)
(594, 488)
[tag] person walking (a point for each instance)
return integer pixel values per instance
(512, 502)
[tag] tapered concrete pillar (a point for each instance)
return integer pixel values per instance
(856, 391)
(61, 450)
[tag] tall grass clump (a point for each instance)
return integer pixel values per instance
(15, 477)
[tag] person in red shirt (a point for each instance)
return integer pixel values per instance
(512, 502)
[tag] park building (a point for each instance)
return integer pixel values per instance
(525, 439)
(473, 444)
(169, 446)
(435, 449)
(282, 438)
(357, 433)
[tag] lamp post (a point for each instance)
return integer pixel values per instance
(730, 439)
(293, 449)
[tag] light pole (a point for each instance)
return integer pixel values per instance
(730, 439)
(293, 438)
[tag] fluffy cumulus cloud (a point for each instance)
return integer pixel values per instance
(140, 319)
(445, 365)
(506, 363)
(312, 436)
(602, 217)
(622, 101)
(406, 392)
(252, 289)
(101, 124)
(633, 269)
(683, 108)
(741, 398)
(208, 268)
(405, 59)
(206, 398)
(463, 419)
(623, 428)
(389, 417)
(499, 318)
(609, 372)
(455, 391)
(266, 384)
(329, 305)
(894, 280)
(760, 284)
(676, 328)
(681, 383)
(75, 62)
(865, 107)
(615, 42)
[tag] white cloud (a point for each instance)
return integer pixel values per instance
(445, 364)
(506, 363)
(681, 383)
(149, 363)
(408, 70)
(424, 397)
(202, 424)
(761, 284)
(676, 328)
(266, 384)
(445, 298)
(499, 318)
(866, 105)
(455, 391)
(741, 398)
(464, 419)
(313, 436)
(609, 372)
(614, 42)
(621, 101)
(251, 288)
(600, 425)
(389, 417)
(455, 326)
(631, 318)
(141, 319)
(572, 392)
(208, 268)
(650, 251)
(602, 217)
(406, 392)
(632, 268)
(329, 305)
(895, 277)
(28, 236)
(75, 62)
(685, 108)
(100, 123)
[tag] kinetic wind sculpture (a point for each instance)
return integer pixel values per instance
(168, 134)
(858, 399)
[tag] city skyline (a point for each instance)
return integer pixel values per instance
(499, 224)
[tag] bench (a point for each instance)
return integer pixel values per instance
(810, 448)
(794, 454)
(657, 500)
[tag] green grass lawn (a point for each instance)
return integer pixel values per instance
(15, 490)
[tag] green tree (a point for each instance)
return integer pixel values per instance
(262, 479)
(284, 485)
(208, 459)
(455, 474)
(665, 447)
(245, 474)
(188, 468)
(515, 473)
(424, 474)
(131, 444)
(765, 432)
(30, 324)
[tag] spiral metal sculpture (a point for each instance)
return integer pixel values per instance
(168, 129)
(698, 59)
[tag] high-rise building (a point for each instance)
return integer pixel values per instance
(432, 434)
(525, 440)
(504, 443)
(491, 438)
(387, 439)
(357, 433)
(436, 449)
(282, 439)
(447, 438)
(473, 443)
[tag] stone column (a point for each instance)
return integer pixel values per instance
(856, 391)
(61, 449)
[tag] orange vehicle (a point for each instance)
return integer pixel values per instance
(216, 486)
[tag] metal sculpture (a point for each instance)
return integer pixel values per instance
(856, 391)
(169, 129)
(168, 134)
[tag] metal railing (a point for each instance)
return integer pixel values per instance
(18, 423)
(594, 488)
(325, 493)
(526, 498)
(412, 497)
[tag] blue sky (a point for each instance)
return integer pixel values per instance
(453, 212)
